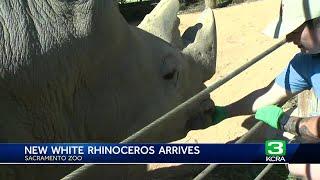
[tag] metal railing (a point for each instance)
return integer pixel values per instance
(85, 168)
(211, 167)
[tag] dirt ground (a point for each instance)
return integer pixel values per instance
(240, 38)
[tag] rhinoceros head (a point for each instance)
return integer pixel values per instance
(160, 69)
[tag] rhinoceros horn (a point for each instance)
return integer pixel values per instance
(198, 42)
(201, 42)
(163, 22)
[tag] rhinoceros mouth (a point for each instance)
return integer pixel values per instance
(207, 106)
(203, 118)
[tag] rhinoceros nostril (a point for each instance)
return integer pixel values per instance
(207, 105)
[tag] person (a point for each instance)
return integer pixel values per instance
(299, 22)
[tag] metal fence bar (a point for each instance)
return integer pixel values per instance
(264, 171)
(269, 166)
(185, 104)
(205, 172)
(211, 167)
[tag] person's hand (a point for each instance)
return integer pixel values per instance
(220, 113)
(271, 115)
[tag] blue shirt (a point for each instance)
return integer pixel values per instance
(303, 72)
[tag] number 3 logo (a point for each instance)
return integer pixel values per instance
(275, 148)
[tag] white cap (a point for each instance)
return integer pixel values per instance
(293, 13)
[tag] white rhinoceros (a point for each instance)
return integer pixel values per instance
(75, 71)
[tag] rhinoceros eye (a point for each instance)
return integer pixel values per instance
(170, 75)
(169, 68)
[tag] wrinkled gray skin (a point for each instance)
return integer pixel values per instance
(75, 71)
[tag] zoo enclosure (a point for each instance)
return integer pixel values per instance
(85, 168)
(306, 104)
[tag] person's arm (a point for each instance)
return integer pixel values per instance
(272, 94)
(305, 127)
(292, 80)
(274, 116)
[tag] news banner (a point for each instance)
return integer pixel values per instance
(272, 151)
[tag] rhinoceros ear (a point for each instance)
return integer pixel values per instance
(201, 43)
(163, 22)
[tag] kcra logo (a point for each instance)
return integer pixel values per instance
(275, 150)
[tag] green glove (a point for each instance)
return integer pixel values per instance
(271, 115)
(220, 113)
